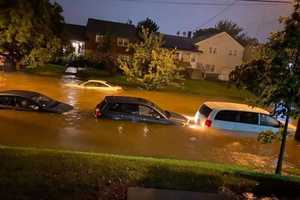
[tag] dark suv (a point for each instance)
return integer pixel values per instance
(136, 109)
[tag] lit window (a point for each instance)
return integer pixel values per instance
(99, 38)
(78, 47)
(123, 42)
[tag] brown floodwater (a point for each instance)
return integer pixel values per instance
(79, 130)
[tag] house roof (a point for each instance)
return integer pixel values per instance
(205, 36)
(109, 27)
(75, 32)
(210, 35)
(183, 43)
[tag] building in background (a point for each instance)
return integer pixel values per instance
(210, 56)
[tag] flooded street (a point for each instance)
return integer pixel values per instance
(79, 130)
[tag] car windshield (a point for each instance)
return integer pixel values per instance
(43, 100)
(166, 113)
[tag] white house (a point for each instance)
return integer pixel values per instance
(220, 54)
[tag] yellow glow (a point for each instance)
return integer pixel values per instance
(196, 127)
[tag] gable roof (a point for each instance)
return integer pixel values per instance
(74, 32)
(108, 27)
(205, 37)
(182, 43)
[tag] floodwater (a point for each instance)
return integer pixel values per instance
(79, 130)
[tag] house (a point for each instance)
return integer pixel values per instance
(221, 53)
(186, 49)
(212, 55)
(97, 30)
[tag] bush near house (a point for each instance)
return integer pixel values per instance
(51, 174)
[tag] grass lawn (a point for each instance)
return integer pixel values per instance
(46, 70)
(196, 87)
(27, 173)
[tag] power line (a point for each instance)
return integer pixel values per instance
(219, 13)
(269, 1)
(203, 3)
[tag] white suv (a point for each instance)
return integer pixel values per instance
(235, 117)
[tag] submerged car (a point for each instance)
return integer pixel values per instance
(31, 101)
(136, 109)
(95, 84)
(235, 117)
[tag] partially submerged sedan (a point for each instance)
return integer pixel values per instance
(31, 101)
(96, 85)
(136, 109)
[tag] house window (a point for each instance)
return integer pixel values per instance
(215, 50)
(122, 42)
(210, 50)
(212, 69)
(193, 58)
(186, 57)
(230, 52)
(177, 56)
(78, 47)
(235, 52)
(99, 38)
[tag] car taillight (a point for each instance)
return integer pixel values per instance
(98, 113)
(208, 123)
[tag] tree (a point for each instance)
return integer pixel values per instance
(229, 27)
(277, 74)
(30, 32)
(106, 53)
(151, 66)
(146, 24)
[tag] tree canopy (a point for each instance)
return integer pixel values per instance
(146, 24)
(275, 76)
(231, 28)
(30, 31)
(151, 66)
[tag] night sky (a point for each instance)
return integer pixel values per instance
(257, 20)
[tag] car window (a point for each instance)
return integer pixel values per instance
(7, 101)
(266, 120)
(205, 110)
(148, 112)
(248, 117)
(95, 84)
(25, 103)
(227, 115)
(42, 100)
(125, 108)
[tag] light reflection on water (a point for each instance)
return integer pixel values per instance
(79, 130)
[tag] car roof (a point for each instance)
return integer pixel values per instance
(234, 106)
(99, 81)
(127, 99)
(20, 93)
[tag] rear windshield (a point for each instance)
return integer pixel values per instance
(102, 105)
(237, 116)
(205, 110)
